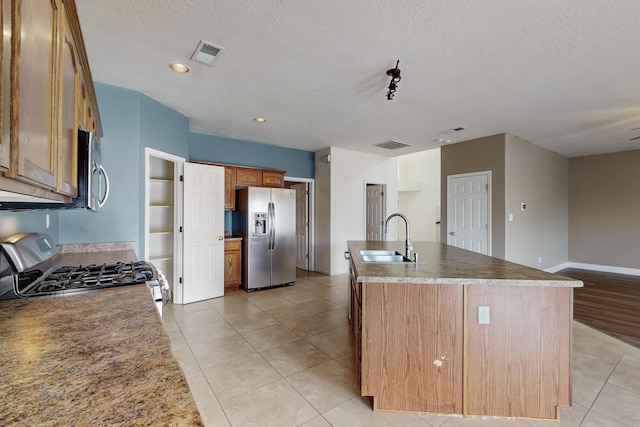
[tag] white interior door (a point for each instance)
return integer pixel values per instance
(203, 275)
(302, 225)
(468, 211)
(375, 212)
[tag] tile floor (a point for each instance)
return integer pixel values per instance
(283, 357)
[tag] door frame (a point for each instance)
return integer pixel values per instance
(178, 165)
(486, 173)
(311, 206)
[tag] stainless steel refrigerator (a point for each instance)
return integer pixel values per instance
(268, 226)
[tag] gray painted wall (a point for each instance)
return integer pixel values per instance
(604, 209)
(538, 236)
(33, 221)
(477, 155)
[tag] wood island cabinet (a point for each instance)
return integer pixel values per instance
(420, 345)
(232, 264)
(47, 92)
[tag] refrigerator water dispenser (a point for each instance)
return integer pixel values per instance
(259, 223)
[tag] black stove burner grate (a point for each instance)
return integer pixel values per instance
(93, 276)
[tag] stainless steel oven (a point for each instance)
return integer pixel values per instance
(27, 270)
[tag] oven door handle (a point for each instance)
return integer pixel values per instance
(104, 198)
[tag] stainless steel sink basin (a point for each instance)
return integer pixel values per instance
(378, 252)
(373, 255)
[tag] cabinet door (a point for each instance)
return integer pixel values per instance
(229, 189)
(5, 61)
(412, 346)
(249, 177)
(232, 264)
(68, 96)
(33, 136)
(273, 179)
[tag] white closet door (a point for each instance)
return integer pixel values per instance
(203, 275)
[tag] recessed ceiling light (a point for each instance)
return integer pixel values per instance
(442, 141)
(260, 119)
(180, 68)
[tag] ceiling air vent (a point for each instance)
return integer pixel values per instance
(206, 52)
(392, 145)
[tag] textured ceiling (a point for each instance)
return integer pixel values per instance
(564, 75)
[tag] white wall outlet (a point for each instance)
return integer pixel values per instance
(484, 317)
(510, 217)
(523, 206)
(539, 260)
(47, 221)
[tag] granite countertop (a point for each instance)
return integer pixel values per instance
(447, 265)
(99, 358)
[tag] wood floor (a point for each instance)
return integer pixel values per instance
(608, 302)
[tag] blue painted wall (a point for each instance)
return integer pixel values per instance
(209, 148)
(130, 122)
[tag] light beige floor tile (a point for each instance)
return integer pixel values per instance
(309, 326)
(239, 376)
(348, 361)
(251, 321)
(594, 419)
(269, 337)
(325, 386)
(585, 389)
(591, 342)
(187, 361)
(267, 302)
(299, 296)
(221, 350)
(296, 356)
(434, 420)
(316, 306)
(190, 308)
(484, 422)
(618, 403)
(202, 332)
(288, 314)
(213, 416)
(570, 416)
(203, 316)
(177, 340)
(276, 404)
(169, 322)
(593, 366)
(627, 373)
(201, 391)
(237, 309)
(335, 343)
(317, 422)
(339, 317)
(357, 412)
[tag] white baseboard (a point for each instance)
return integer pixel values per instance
(594, 267)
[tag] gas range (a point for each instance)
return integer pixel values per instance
(27, 270)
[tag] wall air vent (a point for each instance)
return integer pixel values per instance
(392, 145)
(206, 52)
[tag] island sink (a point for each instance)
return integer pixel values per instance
(372, 255)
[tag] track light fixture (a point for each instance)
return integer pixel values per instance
(395, 79)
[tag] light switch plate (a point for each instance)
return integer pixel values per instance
(484, 317)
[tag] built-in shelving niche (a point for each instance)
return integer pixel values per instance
(163, 209)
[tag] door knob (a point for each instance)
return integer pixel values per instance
(453, 233)
(220, 238)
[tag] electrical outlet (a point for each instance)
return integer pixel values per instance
(484, 317)
(47, 222)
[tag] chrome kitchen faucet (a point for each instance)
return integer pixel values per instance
(408, 248)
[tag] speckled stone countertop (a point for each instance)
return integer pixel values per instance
(442, 264)
(99, 358)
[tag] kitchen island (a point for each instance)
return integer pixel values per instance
(460, 333)
(98, 358)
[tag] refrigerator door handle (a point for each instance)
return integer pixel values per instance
(272, 226)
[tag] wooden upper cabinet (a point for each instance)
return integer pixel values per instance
(251, 177)
(229, 189)
(273, 179)
(33, 77)
(46, 93)
(68, 100)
